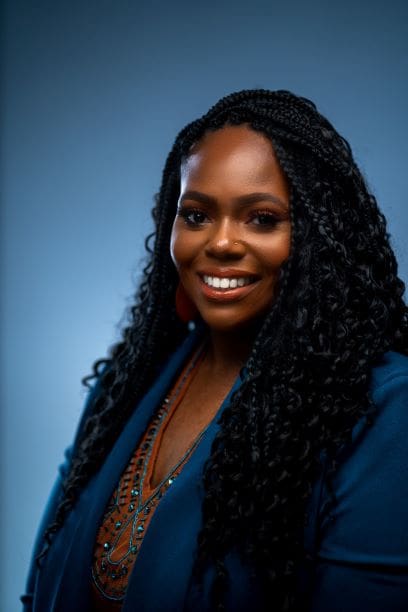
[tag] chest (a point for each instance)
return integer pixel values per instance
(191, 417)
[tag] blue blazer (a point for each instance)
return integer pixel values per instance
(359, 549)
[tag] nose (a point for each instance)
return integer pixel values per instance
(225, 242)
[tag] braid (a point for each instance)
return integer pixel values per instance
(339, 306)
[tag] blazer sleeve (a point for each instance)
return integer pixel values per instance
(362, 557)
(28, 597)
(51, 506)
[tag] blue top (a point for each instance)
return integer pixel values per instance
(360, 547)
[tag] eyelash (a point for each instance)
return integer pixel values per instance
(272, 219)
(187, 212)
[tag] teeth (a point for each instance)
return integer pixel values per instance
(226, 283)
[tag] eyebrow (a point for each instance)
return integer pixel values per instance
(245, 200)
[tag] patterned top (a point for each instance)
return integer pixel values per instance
(132, 505)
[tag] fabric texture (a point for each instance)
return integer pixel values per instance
(359, 547)
(135, 500)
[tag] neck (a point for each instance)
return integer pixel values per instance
(228, 351)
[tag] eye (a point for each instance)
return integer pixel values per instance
(193, 217)
(264, 218)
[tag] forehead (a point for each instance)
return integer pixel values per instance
(236, 153)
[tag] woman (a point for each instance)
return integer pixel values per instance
(256, 462)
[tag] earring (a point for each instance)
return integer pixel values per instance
(185, 308)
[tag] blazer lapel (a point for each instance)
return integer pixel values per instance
(63, 584)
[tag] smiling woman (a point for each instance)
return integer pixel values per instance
(244, 446)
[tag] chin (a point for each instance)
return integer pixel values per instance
(228, 324)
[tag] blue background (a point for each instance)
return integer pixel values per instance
(93, 94)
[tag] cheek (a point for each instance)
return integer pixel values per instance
(183, 245)
(276, 251)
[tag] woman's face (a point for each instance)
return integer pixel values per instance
(231, 232)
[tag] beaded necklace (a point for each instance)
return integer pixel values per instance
(131, 507)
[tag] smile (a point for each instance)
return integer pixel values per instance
(226, 283)
(224, 289)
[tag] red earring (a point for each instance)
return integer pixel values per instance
(185, 308)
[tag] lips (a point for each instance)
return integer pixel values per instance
(226, 285)
(229, 273)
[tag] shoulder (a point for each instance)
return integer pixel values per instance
(367, 521)
(389, 392)
(381, 445)
(389, 366)
(388, 389)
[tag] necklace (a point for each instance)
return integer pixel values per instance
(133, 502)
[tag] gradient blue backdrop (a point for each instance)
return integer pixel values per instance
(93, 96)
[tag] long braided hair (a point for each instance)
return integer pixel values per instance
(339, 307)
